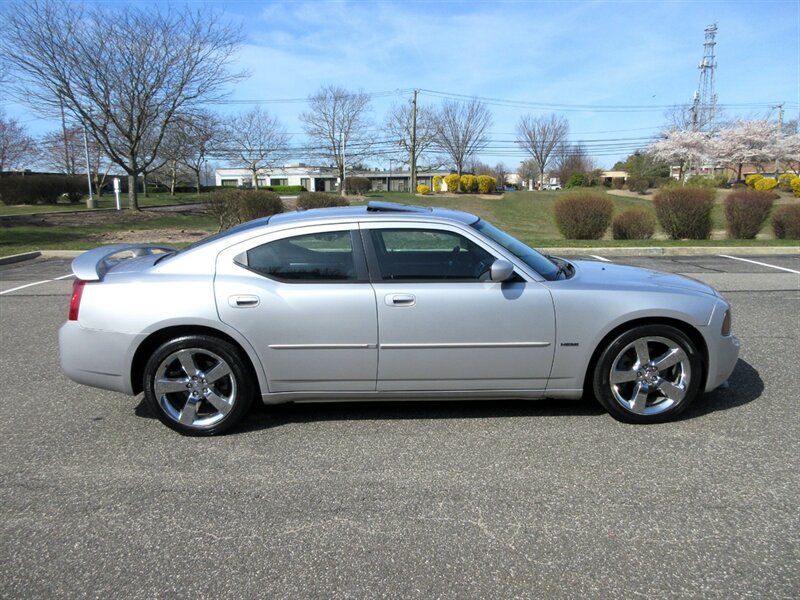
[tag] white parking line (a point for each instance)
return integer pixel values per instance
(600, 258)
(755, 262)
(27, 285)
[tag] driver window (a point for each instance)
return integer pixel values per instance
(429, 255)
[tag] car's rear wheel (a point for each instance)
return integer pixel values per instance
(198, 385)
(649, 374)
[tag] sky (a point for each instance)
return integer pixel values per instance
(611, 68)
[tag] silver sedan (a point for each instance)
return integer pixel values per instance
(385, 301)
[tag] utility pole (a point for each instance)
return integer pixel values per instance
(90, 203)
(414, 144)
(343, 144)
(780, 133)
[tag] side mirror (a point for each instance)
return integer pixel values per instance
(501, 270)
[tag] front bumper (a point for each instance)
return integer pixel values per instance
(100, 359)
(722, 358)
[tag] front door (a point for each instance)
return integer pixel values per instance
(444, 325)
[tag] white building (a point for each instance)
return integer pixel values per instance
(322, 179)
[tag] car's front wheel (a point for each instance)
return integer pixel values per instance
(649, 374)
(198, 385)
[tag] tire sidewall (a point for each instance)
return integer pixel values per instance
(602, 373)
(227, 352)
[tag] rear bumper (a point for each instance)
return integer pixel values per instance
(100, 359)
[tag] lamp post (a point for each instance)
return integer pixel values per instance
(90, 203)
(389, 180)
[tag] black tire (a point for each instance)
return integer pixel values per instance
(198, 385)
(652, 391)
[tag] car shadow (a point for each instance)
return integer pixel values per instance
(266, 416)
(745, 386)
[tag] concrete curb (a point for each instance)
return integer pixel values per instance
(15, 258)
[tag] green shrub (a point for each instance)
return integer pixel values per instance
(287, 189)
(708, 181)
(233, 206)
(486, 184)
(308, 200)
(618, 183)
(786, 222)
(638, 184)
(41, 189)
(685, 212)
(634, 224)
(254, 204)
(469, 183)
(746, 211)
(357, 185)
(576, 180)
(437, 183)
(583, 215)
(423, 189)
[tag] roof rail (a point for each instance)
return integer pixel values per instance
(377, 206)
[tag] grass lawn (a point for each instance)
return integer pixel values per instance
(527, 215)
(107, 200)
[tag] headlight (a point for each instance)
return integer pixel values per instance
(726, 323)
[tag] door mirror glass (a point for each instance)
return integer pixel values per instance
(501, 270)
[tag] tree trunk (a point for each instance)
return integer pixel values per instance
(173, 177)
(255, 176)
(197, 180)
(144, 185)
(133, 200)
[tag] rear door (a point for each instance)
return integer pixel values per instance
(303, 300)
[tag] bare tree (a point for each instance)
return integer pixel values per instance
(500, 174)
(62, 149)
(398, 128)
(338, 124)
(540, 136)
(462, 130)
(203, 131)
(126, 84)
(16, 146)
(255, 138)
(529, 170)
(570, 159)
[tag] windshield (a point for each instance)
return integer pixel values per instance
(538, 262)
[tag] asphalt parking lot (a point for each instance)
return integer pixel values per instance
(405, 500)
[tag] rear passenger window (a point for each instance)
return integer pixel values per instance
(314, 257)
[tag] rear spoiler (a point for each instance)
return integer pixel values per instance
(92, 265)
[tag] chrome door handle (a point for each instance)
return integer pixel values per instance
(400, 299)
(243, 301)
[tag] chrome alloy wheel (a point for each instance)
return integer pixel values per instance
(195, 387)
(650, 375)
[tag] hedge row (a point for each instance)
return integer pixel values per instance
(682, 212)
(41, 189)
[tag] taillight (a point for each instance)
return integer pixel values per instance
(75, 302)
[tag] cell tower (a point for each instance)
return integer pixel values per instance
(704, 105)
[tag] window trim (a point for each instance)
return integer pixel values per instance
(359, 257)
(373, 260)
